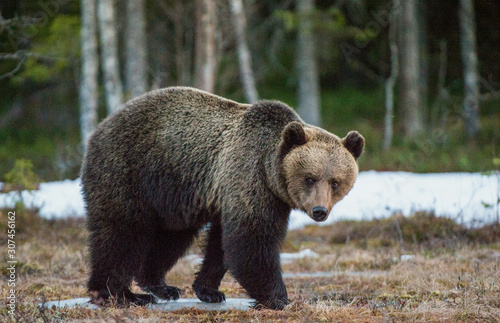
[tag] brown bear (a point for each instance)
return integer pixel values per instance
(176, 160)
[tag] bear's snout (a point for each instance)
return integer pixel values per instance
(320, 213)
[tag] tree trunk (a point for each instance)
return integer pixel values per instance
(423, 45)
(309, 99)
(205, 67)
(246, 73)
(391, 80)
(180, 64)
(109, 55)
(409, 69)
(90, 71)
(136, 48)
(469, 60)
(438, 113)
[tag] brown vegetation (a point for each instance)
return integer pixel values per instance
(454, 274)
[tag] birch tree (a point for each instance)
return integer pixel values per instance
(309, 99)
(409, 69)
(90, 70)
(423, 45)
(206, 64)
(469, 61)
(391, 80)
(136, 48)
(246, 73)
(109, 54)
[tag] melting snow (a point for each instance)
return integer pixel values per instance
(469, 198)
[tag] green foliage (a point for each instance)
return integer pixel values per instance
(350, 97)
(22, 176)
(331, 20)
(440, 149)
(289, 19)
(55, 52)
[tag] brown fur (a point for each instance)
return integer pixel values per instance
(174, 160)
(325, 159)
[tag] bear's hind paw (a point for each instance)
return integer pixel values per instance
(122, 299)
(142, 299)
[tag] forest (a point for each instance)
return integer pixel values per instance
(419, 79)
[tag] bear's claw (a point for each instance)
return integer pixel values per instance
(209, 295)
(163, 291)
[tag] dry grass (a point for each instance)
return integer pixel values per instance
(449, 279)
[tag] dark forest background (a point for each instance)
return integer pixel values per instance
(41, 72)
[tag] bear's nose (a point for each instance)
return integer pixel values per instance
(320, 213)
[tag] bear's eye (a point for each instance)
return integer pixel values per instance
(335, 185)
(310, 181)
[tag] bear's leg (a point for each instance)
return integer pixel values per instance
(212, 271)
(253, 258)
(166, 248)
(114, 260)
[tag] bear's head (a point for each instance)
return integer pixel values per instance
(319, 168)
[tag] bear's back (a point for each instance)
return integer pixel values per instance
(175, 150)
(160, 150)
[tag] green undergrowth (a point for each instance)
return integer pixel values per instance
(443, 147)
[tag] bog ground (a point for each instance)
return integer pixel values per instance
(418, 268)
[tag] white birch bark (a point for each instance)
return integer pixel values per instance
(90, 71)
(471, 73)
(246, 73)
(206, 63)
(109, 55)
(391, 80)
(409, 70)
(309, 93)
(136, 48)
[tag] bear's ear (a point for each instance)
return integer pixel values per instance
(354, 142)
(293, 135)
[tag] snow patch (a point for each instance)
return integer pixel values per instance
(54, 199)
(290, 257)
(463, 197)
(468, 198)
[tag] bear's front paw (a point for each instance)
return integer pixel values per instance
(209, 295)
(164, 291)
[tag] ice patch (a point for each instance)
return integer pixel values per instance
(285, 257)
(330, 274)
(231, 304)
(82, 302)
